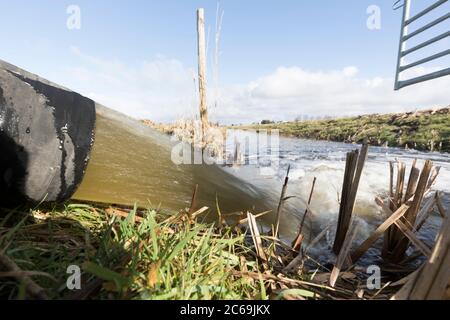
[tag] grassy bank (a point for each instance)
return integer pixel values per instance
(424, 130)
(127, 258)
(137, 254)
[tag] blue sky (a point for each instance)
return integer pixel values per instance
(308, 40)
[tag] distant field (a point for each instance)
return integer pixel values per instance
(423, 130)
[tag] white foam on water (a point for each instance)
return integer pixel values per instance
(326, 162)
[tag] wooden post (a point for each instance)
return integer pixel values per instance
(202, 70)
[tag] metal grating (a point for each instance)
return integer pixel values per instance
(405, 36)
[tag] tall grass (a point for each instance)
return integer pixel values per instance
(143, 254)
(149, 259)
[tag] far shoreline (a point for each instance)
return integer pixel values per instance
(425, 131)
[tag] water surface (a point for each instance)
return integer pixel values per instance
(131, 163)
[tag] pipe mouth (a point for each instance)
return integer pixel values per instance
(46, 136)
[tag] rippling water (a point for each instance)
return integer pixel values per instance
(131, 163)
(326, 161)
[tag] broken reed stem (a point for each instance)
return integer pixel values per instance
(431, 281)
(256, 236)
(425, 212)
(412, 182)
(420, 192)
(343, 254)
(440, 206)
(341, 230)
(391, 180)
(403, 231)
(355, 184)
(400, 184)
(194, 200)
(412, 237)
(281, 203)
(434, 175)
(309, 203)
(399, 247)
(298, 241)
(395, 201)
(352, 176)
(30, 286)
(359, 252)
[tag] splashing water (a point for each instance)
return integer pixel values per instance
(326, 161)
(130, 163)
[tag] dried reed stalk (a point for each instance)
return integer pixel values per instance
(431, 282)
(343, 254)
(296, 245)
(352, 176)
(256, 236)
(403, 230)
(281, 203)
(30, 286)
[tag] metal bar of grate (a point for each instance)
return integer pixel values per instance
(404, 36)
(430, 76)
(402, 45)
(426, 43)
(425, 60)
(426, 27)
(398, 4)
(425, 11)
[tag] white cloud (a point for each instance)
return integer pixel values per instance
(350, 71)
(289, 92)
(160, 89)
(163, 90)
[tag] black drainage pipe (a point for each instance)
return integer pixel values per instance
(46, 135)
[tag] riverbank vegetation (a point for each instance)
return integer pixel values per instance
(139, 254)
(421, 130)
